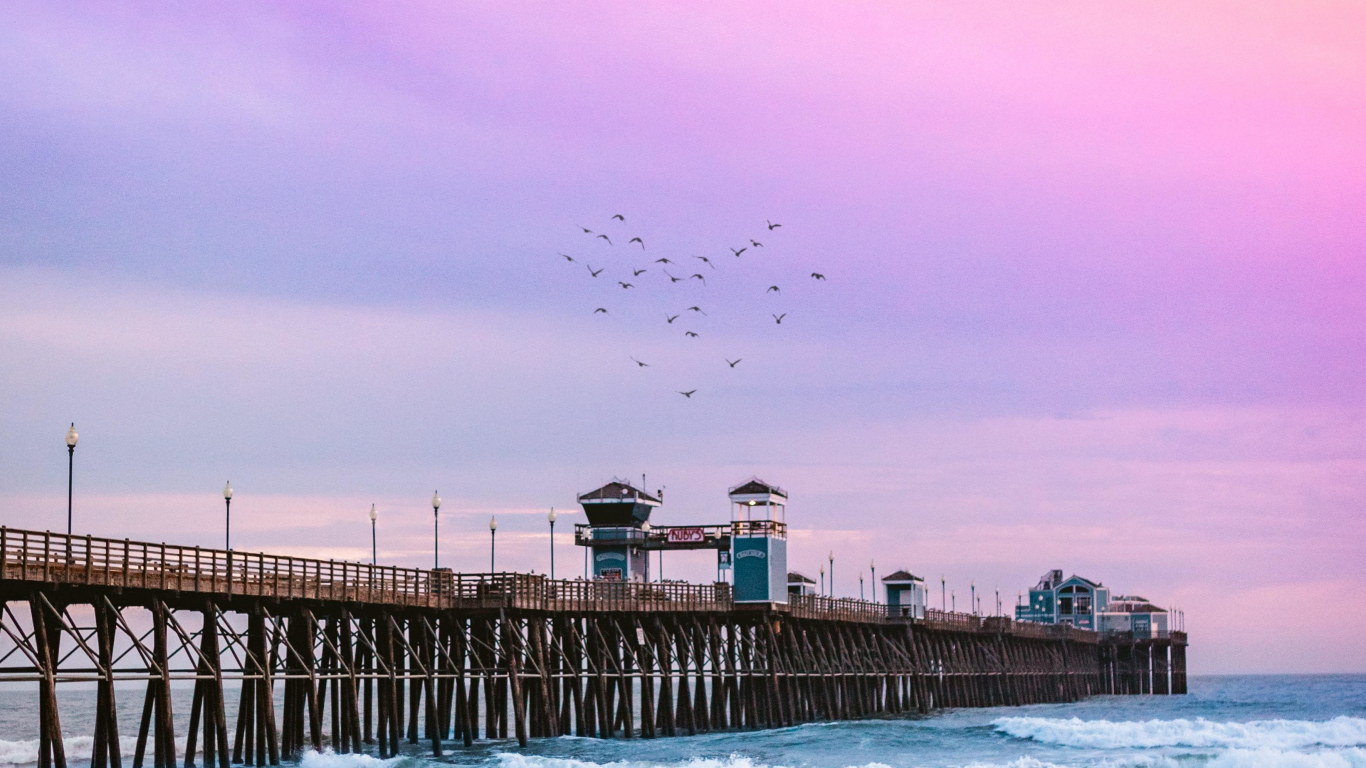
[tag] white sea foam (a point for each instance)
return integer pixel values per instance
(515, 760)
(1351, 757)
(1280, 735)
(329, 759)
(78, 749)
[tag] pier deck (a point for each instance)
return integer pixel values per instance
(373, 655)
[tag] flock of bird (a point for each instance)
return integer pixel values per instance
(617, 222)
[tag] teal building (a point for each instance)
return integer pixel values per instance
(1075, 600)
(759, 542)
(616, 513)
(905, 595)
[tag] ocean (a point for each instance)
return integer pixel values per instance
(1276, 721)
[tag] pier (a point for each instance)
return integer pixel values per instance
(368, 657)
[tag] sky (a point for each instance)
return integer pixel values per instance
(1094, 288)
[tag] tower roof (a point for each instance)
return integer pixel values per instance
(617, 492)
(902, 575)
(757, 490)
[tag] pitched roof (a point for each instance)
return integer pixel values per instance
(756, 486)
(796, 578)
(617, 490)
(902, 575)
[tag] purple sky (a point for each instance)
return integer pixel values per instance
(1095, 290)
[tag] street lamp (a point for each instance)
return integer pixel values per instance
(822, 580)
(374, 548)
(872, 567)
(71, 438)
(832, 573)
(645, 529)
(943, 606)
(227, 515)
(436, 530)
(551, 518)
(493, 542)
(972, 598)
(860, 586)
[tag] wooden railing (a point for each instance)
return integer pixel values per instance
(57, 558)
(87, 560)
(836, 608)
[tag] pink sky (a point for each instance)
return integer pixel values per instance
(1095, 289)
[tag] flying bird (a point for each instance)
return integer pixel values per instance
(699, 277)
(732, 364)
(704, 258)
(756, 243)
(591, 272)
(637, 362)
(605, 237)
(599, 309)
(690, 334)
(696, 309)
(670, 318)
(671, 277)
(624, 285)
(818, 275)
(586, 230)
(636, 272)
(619, 217)
(663, 261)
(637, 240)
(737, 253)
(771, 225)
(567, 257)
(773, 289)
(779, 318)
(688, 394)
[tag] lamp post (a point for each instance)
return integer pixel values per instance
(436, 530)
(822, 581)
(374, 547)
(860, 586)
(71, 438)
(972, 597)
(832, 573)
(227, 516)
(493, 543)
(645, 529)
(953, 601)
(872, 568)
(551, 518)
(943, 585)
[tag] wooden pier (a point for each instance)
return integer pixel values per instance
(368, 657)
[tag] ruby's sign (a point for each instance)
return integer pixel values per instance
(686, 536)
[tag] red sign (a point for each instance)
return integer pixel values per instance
(686, 536)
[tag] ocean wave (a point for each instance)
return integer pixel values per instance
(328, 759)
(1280, 735)
(78, 749)
(515, 760)
(1274, 758)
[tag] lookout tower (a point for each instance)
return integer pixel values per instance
(758, 514)
(615, 513)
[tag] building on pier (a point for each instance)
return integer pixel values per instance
(1075, 600)
(905, 595)
(800, 585)
(758, 513)
(1130, 613)
(618, 514)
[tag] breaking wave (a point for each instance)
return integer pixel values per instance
(78, 749)
(1276, 735)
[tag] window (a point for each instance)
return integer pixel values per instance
(1065, 605)
(1067, 590)
(1083, 604)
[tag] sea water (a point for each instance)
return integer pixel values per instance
(1275, 721)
